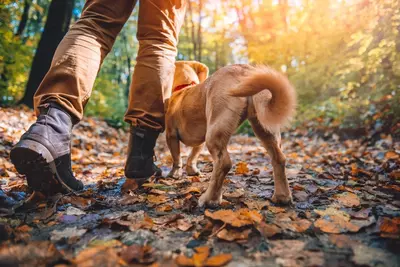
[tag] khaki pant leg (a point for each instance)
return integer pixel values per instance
(158, 29)
(78, 57)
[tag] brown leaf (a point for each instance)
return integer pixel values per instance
(129, 199)
(239, 218)
(232, 234)
(257, 204)
(138, 254)
(340, 241)
(274, 209)
(390, 227)
(235, 194)
(129, 185)
(348, 199)
(268, 230)
(164, 208)
(157, 200)
(183, 225)
(36, 253)
(97, 256)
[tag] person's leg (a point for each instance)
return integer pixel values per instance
(158, 29)
(43, 153)
(78, 57)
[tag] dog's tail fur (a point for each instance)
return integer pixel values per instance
(274, 97)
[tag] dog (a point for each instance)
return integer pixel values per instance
(208, 111)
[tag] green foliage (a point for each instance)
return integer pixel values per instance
(342, 56)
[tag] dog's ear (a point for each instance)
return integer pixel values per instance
(200, 69)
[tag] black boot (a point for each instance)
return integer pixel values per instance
(140, 161)
(44, 152)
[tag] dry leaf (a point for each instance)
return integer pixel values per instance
(274, 209)
(218, 260)
(232, 234)
(138, 254)
(183, 225)
(257, 204)
(239, 218)
(157, 200)
(268, 230)
(348, 199)
(129, 185)
(241, 168)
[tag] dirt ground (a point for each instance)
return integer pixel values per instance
(346, 209)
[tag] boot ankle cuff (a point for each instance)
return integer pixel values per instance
(44, 108)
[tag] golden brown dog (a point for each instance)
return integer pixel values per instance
(210, 110)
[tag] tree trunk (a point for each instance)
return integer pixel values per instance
(199, 40)
(194, 42)
(24, 18)
(57, 25)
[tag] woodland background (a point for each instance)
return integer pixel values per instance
(342, 55)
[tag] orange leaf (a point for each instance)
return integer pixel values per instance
(200, 256)
(160, 199)
(348, 199)
(182, 260)
(392, 155)
(241, 168)
(239, 218)
(218, 260)
(232, 235)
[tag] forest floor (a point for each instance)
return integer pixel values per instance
(346, 209)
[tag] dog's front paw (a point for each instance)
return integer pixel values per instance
(175, 173)
(210, 200)
(284, 199)
(192, 170)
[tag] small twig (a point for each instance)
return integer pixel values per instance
(219, 230)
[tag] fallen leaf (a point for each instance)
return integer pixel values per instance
(268, 230)
(79, 202)
(274, 209)
(239, 218)
(129, 185)
(157, 200)
(69, 232)
(36, 253)
(183, 225)
(257, 204)
(138, 254)
(389, 227)
(74, 211)
(218, 260)
(232, 234)
(392, 155)
(241, 168)
(348, 199)
(98, 256)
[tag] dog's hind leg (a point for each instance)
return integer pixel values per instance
(272, 142)
(217, 140)
(191, 164)
(174, 148)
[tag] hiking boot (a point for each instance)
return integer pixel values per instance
(140, 160)
(43, 153)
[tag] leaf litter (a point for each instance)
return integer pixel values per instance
(346, 205)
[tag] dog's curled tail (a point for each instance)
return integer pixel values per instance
(274, 97)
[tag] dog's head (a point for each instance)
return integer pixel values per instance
(188, 73)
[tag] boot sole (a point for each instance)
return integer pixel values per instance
(36, 162)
